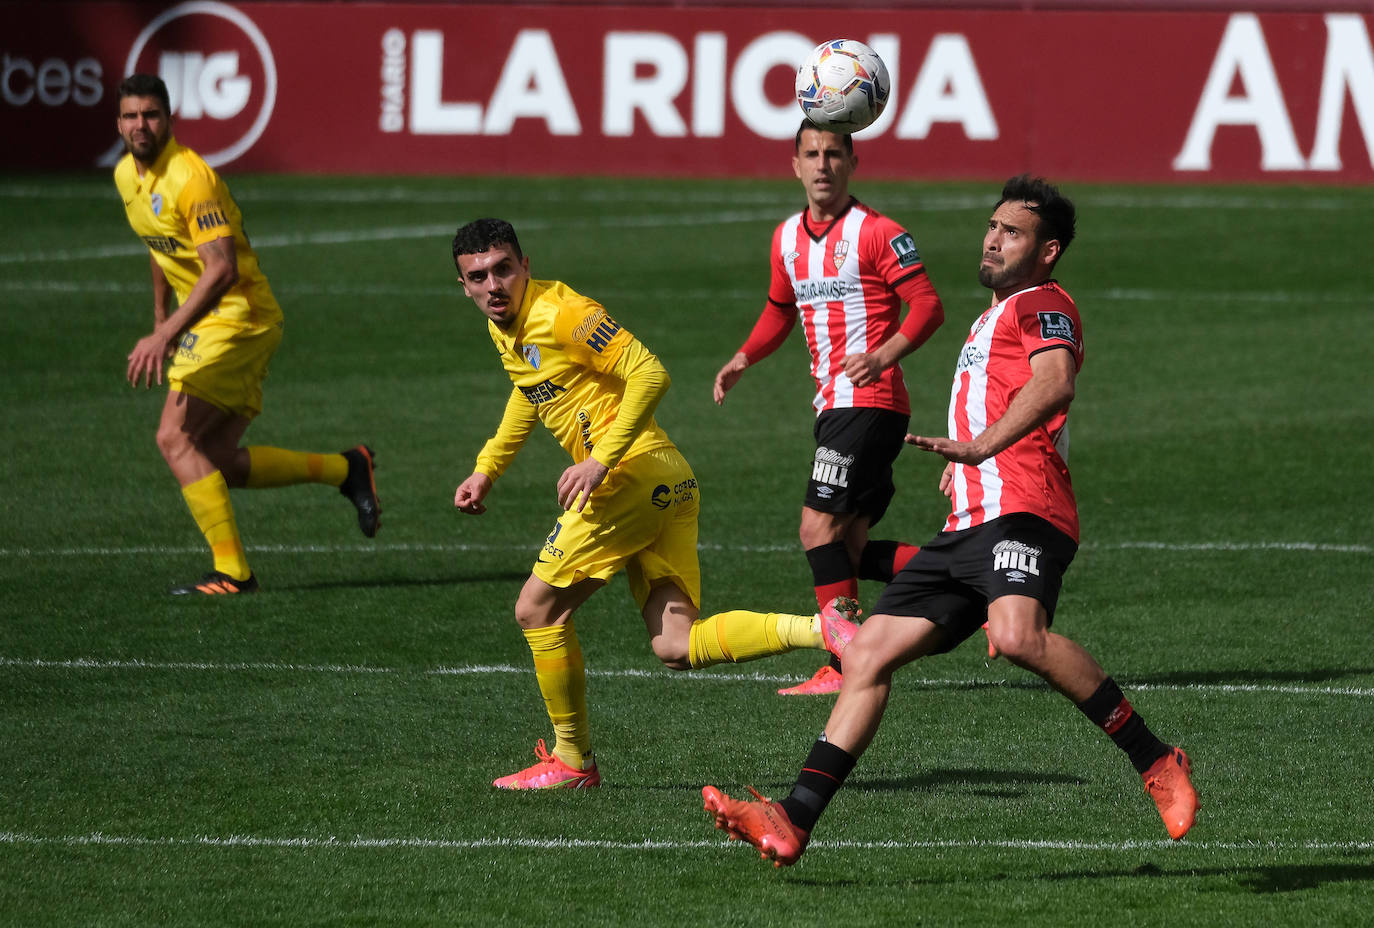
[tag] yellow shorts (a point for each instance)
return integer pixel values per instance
(642, 518)
(225, 363)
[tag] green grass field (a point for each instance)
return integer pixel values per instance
(321, 754)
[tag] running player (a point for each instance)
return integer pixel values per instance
(629, 499)
(215, 317)
(1002, 554)
(844, 269)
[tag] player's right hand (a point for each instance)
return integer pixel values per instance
(470, 493)
(728, 376)
(147, 358)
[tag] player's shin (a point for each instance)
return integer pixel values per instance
(820, 778)
(562, 677)
(277, 467)
(208, 501)
(740, 635)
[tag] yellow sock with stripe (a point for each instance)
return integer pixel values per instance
(208, 500)
(277, 467)
(562, 680)
(741, 635)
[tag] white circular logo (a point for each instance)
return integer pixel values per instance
(208, 86)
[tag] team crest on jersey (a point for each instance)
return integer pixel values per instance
(840, 253)
(1057, 325)
(156, 200)
(531, 353)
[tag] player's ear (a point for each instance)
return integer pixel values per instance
(1049, 252)
(796, 166)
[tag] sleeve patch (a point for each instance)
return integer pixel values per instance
(597, 330)
(1057, 326)
(209, 214)
(904, 247)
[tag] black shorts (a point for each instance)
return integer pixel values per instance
(852, 469)
(955, 575)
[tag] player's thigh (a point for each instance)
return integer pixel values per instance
(928, 588)
(625, 516)
(225, 365)
(670, 557)
(851, 471)
(885, 642)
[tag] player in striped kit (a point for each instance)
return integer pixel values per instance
(844, 270)
(1012, 533)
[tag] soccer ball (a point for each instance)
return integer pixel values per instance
(842, 86)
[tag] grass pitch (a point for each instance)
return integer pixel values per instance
(322, 753)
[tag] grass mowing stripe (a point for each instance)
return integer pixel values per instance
(90, 663)
(99, 839)
(400, 233)
(441, 548)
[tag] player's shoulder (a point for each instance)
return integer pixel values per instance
(1048, 296)
(875, 221)
(184, 163)
(125, 173)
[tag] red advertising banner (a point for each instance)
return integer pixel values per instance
(1077, 94)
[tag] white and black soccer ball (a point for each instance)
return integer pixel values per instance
(842, 86)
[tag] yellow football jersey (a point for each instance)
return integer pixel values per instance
(180, 203)
(561, 353)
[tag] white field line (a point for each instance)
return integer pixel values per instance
(456, 548)
(657, 676)
(100, 839)
(399, 233)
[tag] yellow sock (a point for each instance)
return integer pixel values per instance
(745, 636)
(277, 467)
(562, 680)
(208, 500)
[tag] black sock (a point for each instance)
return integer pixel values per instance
(820, 778)
(875, 561)
(1110, 711)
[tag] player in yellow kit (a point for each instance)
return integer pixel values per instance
(215, 317)
(630, 500)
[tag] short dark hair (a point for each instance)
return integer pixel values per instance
(845, 140)
(145, 85)
(483, 235)
(1054, 210)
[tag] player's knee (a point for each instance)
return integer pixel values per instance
(172, 442)
(1019, 644)
(671, 651)
(865, 660)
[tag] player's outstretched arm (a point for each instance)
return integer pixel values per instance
(728, 376)
(1050, 389)
(471, 492)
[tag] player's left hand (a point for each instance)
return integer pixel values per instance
(145, 361)
(960, 452)
(576, 484)
(862, 369)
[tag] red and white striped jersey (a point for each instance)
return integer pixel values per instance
(847, 281)
(1033, 474)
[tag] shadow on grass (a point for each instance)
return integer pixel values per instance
(984, 782)
(1272, 878)
(383, 583)
(1247, 676)
(1261, 880)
